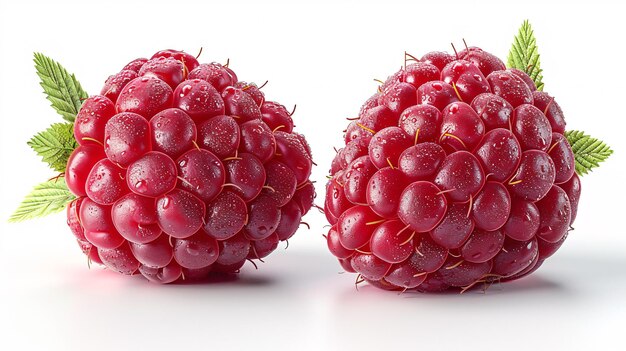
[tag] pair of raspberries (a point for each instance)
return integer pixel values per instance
(457, 173)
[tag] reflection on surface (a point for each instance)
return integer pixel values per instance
(300, 297)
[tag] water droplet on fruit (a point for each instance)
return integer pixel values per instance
(192, 250)
(185, 90)
(141, 186)
(165, 203)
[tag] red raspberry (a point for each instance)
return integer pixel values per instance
(456, 173)
(182, 171)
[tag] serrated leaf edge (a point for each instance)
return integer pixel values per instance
(46, 198)
(589, 152)
(62, 89)
(53, 147)
(524, 54)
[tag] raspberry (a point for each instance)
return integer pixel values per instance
(456, 173)
(182, 170)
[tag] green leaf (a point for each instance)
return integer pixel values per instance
(62, 89)
(524, 54)
(55, 145)
(588, 151)
(46, 198)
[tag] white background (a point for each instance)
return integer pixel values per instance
(321, 56)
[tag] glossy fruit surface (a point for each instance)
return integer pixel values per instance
(182, 171)
(455, 173)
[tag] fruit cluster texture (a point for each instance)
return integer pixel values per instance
(455, 173)
(183, 170)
